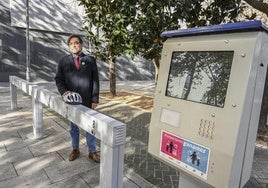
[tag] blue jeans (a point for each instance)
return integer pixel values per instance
(75, 132)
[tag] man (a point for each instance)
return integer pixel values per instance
(78, 73)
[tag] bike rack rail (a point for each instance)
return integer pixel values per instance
(110, 132)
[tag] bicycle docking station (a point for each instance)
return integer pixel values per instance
(208, 101)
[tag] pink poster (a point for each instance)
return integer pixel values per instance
(171, 145)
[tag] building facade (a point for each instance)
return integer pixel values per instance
(50, 23)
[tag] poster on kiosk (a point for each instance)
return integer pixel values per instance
(207, 102)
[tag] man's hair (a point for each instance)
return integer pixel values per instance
(75, 36)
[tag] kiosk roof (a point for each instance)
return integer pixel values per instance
(255, 25)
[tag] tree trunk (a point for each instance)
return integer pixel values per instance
(156, 68)
(112, 77)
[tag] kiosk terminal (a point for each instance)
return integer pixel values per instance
(207, 102)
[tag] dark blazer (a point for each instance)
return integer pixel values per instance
(84, 81)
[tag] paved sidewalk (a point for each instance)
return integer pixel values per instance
(44, 162)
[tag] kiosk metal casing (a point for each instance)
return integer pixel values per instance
(208, 100)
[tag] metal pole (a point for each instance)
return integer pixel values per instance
(27, 43)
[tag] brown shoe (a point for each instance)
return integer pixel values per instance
(94, 156)
(75, 153)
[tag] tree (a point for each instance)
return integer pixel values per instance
(111, 21)
(134, 26)
(155, 17)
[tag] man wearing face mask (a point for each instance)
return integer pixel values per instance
(77, 73)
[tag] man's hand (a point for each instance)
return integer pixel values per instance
(65, 93)
(94, 105)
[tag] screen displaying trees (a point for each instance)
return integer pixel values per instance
(200, 76)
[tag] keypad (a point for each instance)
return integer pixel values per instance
(207, 128)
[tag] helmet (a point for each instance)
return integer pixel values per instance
(72, 98)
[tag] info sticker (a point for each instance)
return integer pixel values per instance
(188, 155)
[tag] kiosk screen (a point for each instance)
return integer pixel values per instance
(200, 76)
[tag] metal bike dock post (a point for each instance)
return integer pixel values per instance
(208, 101)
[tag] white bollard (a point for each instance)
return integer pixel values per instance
(13, 93)
(111, 170)
(37, 115)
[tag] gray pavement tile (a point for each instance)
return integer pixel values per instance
(49, 122)
(6, 132)
(4, 124)
(50, 128)
(92, 176)
(37, 180)
(33, 165)
(14, 143)
(61, 122)
(22, 122)
(19, 117)
(260, 166)
(127, 183)
(15, 155)
(53, 131)
(64, 153)
(136, 179)
(131, 180)
(253, 183)
(26, 132)
(13, 117)
(49, 144)
(72, 182)
(119, 111)
(7, 171)
(68, 169)
(10, 133)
